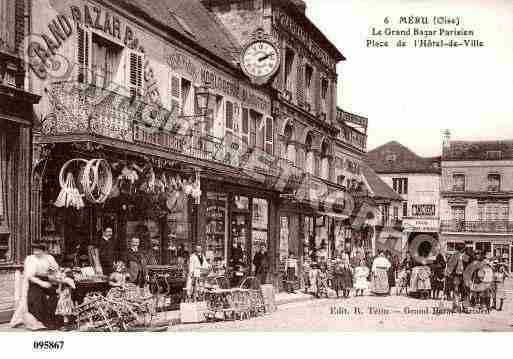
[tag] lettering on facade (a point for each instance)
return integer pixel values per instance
(40, 53)
(423, 210)
(228, 86)
(286, 22)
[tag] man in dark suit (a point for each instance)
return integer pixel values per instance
(106, 249)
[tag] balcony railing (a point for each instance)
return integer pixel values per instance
(477, 226)
(78, 108)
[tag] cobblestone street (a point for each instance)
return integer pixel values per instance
(376, 314)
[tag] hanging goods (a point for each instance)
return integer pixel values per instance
(69, 195)
(97, 181)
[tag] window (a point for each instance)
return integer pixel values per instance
(269, 135)
(245, 129)
(458, 213)
(458, 182)
(391, 157)
(5, 238)
(324, 94)
(229, 115)
(396, 213)
(405, 209)
(385, 214)
(289, 62)
(493, 211)
(400, 185)
(494, 182)
(494, 155)
(248, 5)
(308, 83)
(340, 180)
(187, 99)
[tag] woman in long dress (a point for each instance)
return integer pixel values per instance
(38, 300)
(342, 276)
(380, 268)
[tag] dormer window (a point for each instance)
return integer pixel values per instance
(391, 157)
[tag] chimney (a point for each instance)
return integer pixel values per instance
(300, 5)
(446, 138)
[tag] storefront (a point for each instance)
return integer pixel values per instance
(16, 120)
(493, 245)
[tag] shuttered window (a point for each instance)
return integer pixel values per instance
(83, 54)
(176, 94)
(269, 135)
(229, 115)
(135, 73)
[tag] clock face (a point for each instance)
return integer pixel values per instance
(260, 59)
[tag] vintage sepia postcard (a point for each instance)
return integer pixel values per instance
(255, 165)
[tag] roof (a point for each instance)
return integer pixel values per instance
(296, 6)
(191, 20)
(393, 157)
(378, 187)
(478, 150)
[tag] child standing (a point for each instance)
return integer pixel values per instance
(361, 272)
(65, 306)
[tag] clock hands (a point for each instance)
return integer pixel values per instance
(265, 57)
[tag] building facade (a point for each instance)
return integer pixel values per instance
(313, 134)
(417, 180)
(477, 196)
(16, 121)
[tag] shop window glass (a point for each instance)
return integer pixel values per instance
(216, 218)
(259, 225)
(284, 237)
(5, 239)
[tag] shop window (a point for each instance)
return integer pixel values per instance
(400, 185)
(259, 226)
(289, 62)
(458, 182)
(216, 226)
(494, 182)
(5, 238)
(308, 83)
(284, 237)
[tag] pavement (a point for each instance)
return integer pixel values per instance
(302, 312)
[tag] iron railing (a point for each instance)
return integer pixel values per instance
(476, 226)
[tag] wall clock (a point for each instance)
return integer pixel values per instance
(260, 58)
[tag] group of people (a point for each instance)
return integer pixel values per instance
(357, 271)
(46, 296)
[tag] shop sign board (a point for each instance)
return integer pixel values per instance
(421, 225)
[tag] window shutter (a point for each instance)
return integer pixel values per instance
(135, 73)
(229, 115)
(245, 128)
(300, 90)
(84, 40)
(176, 94)
(269, 135)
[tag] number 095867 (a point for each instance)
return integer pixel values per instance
(48, 345)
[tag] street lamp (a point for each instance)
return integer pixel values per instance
(203, 96)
